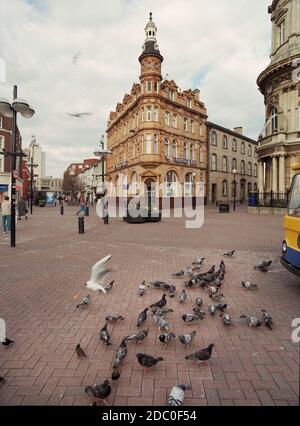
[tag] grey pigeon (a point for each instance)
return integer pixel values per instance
(142, 288)
(114, 318)
(104, 335)
(212, 290)
(199, 261)
(202, 355)
(115, 375)
(159, 285)
(161, 303)
(226, 319)
(162, 312)
(268, 320)
(163, 324)
(230, 253)
(147, 361)
(199, 313)
(120, 354)
(199, 301)
(190, 318)
(109, 286)
(176, 397)
(172, 291)
(189, 271)
(248, 285)
(178, 274)
(222, 266)
(252, 321)
(142, 317)
(182, 296)
(99, 391)
(138, 337)
(221, 307)
(85, 301)
(186, 339)
(264, 266)
(166, 338)
(217, 297)
(80, 352)
(212, 309)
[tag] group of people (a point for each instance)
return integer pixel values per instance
(6, 212)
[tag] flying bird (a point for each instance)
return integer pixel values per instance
(75, 58)
(85, 301)
(78, 114)
(98, 271)
(80, 352)
(100, 391)
(202, 355)
(176, 397)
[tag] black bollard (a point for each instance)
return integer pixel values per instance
(62, 210)
(105, 219)
(81, 225)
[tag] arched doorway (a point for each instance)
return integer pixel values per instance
(151, 193)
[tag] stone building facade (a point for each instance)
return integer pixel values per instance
(230, 150)
(279, 142)
(157, 135)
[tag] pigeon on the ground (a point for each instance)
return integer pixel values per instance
(161, 303)
(142, 317)
(163, 324)
(248, 285)
(221, 307)
(104, 335)
(100, 391)
(147, 361)
(176, 397)
(264, 266)
(7, 342)
(252, 321)
(98, 271)
(189, 271)
(212, 290)
(115, 375)
(114, 318)
(190, 318)
(190, 283)
(268, 320)
(109, 286)
(222, 266)
(178, 274)
(199, 313)
(162, 312)
(138, 337)
(85, 301)
(217, 297)
(212, 309)
(2, 380)
(80, 352)
(230, 253)
(142, 288)
(182, 296)
(120, 354)
(199, 301)
(166, 338)
(226, 319)
(159, 285)
(202, 355)
(199, 261)
(172, 291)
(186, 339)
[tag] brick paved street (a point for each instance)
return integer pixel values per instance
(43, 278)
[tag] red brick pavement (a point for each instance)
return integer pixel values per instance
(43, 278)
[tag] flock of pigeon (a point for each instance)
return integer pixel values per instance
(210, 281)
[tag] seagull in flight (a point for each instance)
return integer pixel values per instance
(78, 114)
(98, 271)
(75, 57)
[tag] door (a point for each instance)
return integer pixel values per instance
(214, 192)
(151, 190)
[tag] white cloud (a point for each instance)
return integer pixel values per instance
(219, 46)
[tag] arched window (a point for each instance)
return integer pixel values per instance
(255, 170)
(213, 137)
(274, 119)
(249, 169)
(255, 187)
(234, 164)
(234, 145)
(213, 162)
(224, 188)
(224, 164)
(243, 167)
(184, 151)
(174, 149)
(243, 148)
(191, 152)
(249, 150)
(171, 184)
(225, 142)
(167, 148)
(188, 184)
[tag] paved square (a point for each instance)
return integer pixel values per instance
(42, 279)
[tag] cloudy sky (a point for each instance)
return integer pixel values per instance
(218, 46)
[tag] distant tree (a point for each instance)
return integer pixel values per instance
(72, 185)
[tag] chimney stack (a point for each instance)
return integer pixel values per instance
(238, 130)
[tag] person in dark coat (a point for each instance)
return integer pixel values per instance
(22, 210)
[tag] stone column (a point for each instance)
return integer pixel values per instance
(260, 176)
(268, 175)
(281, 174)
(274, 174)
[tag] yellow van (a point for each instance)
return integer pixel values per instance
(290, 258)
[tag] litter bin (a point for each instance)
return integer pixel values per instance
(252, 200)
(86, 211)
(223, 208)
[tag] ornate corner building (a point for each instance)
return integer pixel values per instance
(279, 143)
(158, 134)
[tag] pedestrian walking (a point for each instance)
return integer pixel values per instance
(6, 214)
(82, 207)
(22, 210)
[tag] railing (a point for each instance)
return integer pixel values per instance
(268, 199)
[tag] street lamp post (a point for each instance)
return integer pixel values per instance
(103, 154)
(11, 110)
(234, 185)
(32, 166)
